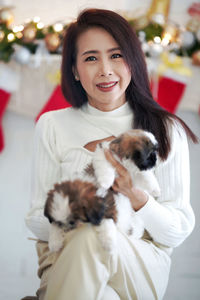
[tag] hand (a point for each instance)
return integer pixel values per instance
(124, 185)
(92, 145)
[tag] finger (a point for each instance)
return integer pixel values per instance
(108, 139)
(91, 146)
(121, 170)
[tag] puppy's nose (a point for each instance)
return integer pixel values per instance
(146, 160)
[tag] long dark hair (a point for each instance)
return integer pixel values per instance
(148, 114)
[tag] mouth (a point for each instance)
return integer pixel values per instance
(107, 86)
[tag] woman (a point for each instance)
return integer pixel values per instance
(104, 77)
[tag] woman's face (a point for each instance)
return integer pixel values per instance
(101, 69)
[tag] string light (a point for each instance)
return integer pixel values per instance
(19, 35)
(157, 39)
(10, 37)
(40, 25)
(58, 27)
(18, 28)
(166, 39)
(36, 19)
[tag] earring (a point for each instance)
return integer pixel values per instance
(76, 77)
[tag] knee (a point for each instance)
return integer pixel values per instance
(83, 237)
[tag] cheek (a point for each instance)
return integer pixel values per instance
(125, 73)
(128, 72)
(86, 75)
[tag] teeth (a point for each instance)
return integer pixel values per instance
(107, 85)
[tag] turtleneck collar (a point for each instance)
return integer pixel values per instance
(112, 122)
(121, 111)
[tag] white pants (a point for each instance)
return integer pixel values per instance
(83, 270)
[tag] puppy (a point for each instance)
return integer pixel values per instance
(72, 203)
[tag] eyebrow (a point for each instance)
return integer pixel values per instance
(96, 51)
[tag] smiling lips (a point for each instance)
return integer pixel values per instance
(106, 86)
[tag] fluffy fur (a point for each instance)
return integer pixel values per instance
(92, 200)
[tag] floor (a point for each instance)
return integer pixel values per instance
(18, 261)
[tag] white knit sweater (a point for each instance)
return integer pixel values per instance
(59, 155)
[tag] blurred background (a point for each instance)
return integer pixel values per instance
(31, 35)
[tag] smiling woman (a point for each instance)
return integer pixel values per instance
(105, 79)
(101, 69)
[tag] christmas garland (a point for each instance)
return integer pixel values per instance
(21, 41)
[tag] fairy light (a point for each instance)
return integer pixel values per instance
(36, 19)
(58, 27)
(10, 37)
(166, 39)
(157, 39)
(19, 34)
(18, 28)
(40, 25)
(15, 29)
(21, 27)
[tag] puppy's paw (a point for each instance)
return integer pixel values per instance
(101, 192)
(106, 178)
(55, 245)
(107, 234)
(56, 238)
(156, 192)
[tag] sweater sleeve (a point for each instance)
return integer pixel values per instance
(170, 219)
(45, 172)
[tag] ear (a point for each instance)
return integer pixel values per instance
(96, 213)
(115, 146)
(75, 72)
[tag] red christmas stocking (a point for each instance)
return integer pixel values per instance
(170, 93)
(55, 102)
(4, 98)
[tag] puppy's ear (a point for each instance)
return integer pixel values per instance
(115, 146)
(47, 207)
(95, 213)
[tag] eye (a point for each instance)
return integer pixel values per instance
(137, 155)
(90, 58)
(116, 55)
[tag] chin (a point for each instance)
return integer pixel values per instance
(91, 200)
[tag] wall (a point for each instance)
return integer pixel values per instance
(51, 11)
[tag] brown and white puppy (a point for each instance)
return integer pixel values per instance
(92, 199)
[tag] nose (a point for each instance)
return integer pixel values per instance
(105, 68)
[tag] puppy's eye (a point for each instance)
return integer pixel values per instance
(137, 155)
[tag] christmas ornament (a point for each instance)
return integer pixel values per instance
(155, 49)
(170, 32)
(41, 53)
(2, 35)
(173, 64)
(187, 39)
(196, 58)
(52, 41)
(194, 10)
(193, 24)
(22, 55)
(6, 16)
(158, 11)
(29, 33)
